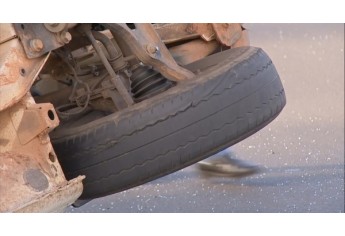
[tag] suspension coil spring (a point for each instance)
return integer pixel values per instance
(146, 83)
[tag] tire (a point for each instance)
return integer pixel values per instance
(237, 93)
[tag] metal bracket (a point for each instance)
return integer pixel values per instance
(38, 40)
(34, 120)
(149, 48)
(225, 33)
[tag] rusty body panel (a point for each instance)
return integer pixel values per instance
(57, 200)
(243, 41)
(176, 32)
(29, 168)
(29, 189)
(17, 73)
(171, 32)
(227, 34)
(198, 40)
(7, 32)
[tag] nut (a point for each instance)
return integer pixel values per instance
(65, 37)
(36, 45)
(150, 48)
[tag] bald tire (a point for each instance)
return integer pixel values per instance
(235, 94)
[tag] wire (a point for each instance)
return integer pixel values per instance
(67, 114)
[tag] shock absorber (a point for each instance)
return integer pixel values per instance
(146, 83)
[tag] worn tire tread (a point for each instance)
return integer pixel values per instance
(107, 151)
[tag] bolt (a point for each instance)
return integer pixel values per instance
(151, 48)
(65, 37)
(36, 45)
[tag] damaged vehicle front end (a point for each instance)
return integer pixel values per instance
(88, 110)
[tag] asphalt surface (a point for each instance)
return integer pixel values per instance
(301, 152)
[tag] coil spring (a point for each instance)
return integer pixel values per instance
(146, 83)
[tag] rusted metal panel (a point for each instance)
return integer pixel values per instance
(17, 72)
(7, 32)
(38, 148)
(205, 30)
(225, 33)
(175, 32)
(57, 200)
(171, 33)
(34, 120)
(25, 187)
(29, 168)
(17, 186)
(243, 40)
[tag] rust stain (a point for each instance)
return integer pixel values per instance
(29, 168)
(227, 34)
(17, 72)
(15, 61)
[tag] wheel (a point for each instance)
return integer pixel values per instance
(235, 93)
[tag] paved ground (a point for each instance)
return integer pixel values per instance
(302, 151)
